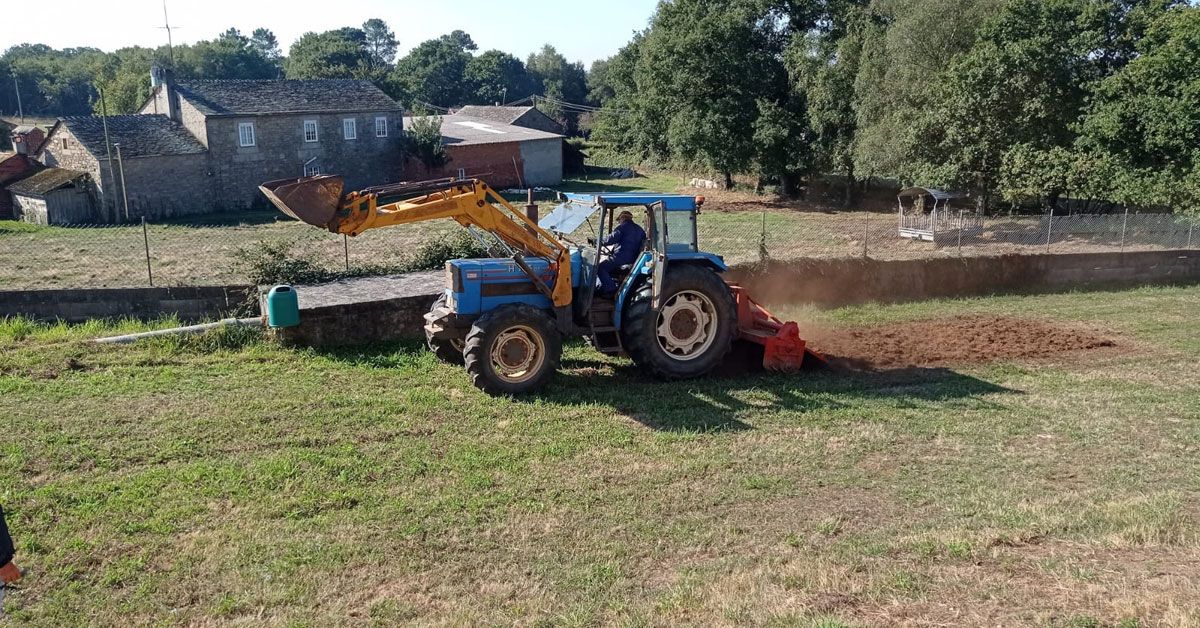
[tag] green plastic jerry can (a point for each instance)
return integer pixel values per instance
(283, 307)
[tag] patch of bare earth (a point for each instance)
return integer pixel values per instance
(967, 339)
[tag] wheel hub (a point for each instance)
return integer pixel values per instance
(517, 353)
(687, 325)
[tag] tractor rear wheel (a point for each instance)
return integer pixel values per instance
(512, 350)
(448, 350)
(693, 331)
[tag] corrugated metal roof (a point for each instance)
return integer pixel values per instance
(45, 181)
(460, 130)
(940, 195)
(505, 115)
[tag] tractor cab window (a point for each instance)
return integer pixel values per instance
(681, 231)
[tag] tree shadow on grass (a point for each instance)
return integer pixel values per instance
(728, 402)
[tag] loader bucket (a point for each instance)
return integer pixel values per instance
(314, 200)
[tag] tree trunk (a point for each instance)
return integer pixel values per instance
(728, 180)
(850, 185)
(787, 184)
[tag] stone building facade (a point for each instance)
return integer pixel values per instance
(206, 146)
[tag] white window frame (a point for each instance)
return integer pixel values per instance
(312, 170)
(350, 130)
(242, 128)
(316, 133)
(381, 130)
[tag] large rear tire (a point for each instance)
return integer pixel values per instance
(512, 350)
(691, 334)
(448, 350)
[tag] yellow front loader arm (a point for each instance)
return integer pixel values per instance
(467, 202)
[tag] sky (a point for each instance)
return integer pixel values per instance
(581, 31)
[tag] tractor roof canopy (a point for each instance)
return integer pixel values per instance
(671, 202)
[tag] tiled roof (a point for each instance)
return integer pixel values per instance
(140, 135)
(245, 97)
(45, 181)
(460, 130)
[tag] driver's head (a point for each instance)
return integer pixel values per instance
(624, 217)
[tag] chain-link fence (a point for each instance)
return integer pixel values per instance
(208, 254)
(751, 237)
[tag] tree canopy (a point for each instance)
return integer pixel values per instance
(1014, 101)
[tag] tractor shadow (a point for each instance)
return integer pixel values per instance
(729, 402)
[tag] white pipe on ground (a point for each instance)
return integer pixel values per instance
(190, 329)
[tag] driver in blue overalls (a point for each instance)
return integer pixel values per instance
(625, 245)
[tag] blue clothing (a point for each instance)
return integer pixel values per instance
(627, 241)
(604, 274)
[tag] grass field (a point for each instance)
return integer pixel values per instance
(224, 479)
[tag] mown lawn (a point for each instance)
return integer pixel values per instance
(225, 479)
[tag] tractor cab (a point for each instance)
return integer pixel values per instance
(670, 224)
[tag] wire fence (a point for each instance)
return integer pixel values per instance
(212, 254)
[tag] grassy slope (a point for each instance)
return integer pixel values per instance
(220, 480)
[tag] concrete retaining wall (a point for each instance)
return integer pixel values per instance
(844, 282)
(74, 306)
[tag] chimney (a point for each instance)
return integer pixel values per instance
(166, 100)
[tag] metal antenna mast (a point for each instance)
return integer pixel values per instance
(167, 27)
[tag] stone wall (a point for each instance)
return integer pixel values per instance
(74, 306)
(63, 150)
(359, 312)
(280, 152)
(165, 186)
(185, 112)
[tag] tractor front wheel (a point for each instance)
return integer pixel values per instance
(693, 331)
(512, 350)
(448, 350)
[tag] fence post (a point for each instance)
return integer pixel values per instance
(346, 250)
(1049, 229)
(866, 232)
(1190, 227)
(961, 226)
(1124, 227)
(146, 243)
(763, 253)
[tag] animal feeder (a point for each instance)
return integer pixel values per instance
(934, 215)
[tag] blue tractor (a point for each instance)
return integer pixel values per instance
(505, 318)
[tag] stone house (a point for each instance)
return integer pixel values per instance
(206, 146)
(165, 168)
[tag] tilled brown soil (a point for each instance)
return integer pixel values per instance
(952, 341)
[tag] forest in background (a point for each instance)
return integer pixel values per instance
(1015, 101)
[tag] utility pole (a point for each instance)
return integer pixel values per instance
(121, 167)
(17, 88)
(167, 26)
(112, 179)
